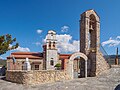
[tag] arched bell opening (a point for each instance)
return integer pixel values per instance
(92, 34)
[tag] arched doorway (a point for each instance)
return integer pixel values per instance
(77, 67)
(70, 64)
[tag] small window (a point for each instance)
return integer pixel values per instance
(49, 44)
(22, 62)
(53, 44)
(36, 67)
(22, 67)
(51, 62)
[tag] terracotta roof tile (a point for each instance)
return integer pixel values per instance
(64, 56)
(23, 55)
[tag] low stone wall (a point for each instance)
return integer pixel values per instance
(36, 77)
(115, 66)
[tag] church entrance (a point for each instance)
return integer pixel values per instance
(74, 66)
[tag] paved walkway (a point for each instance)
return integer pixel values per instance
(106, 81)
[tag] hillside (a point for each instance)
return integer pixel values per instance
(111, 59)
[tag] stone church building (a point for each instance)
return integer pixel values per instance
(45, 60)
(88, 62)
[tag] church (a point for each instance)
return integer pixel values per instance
(45, 60)
(88, 62)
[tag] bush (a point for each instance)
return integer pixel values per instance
(58, 66)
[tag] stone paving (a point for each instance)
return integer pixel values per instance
(106, 81)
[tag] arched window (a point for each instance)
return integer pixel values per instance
(49, 44)
(54, 44)
(51, 62)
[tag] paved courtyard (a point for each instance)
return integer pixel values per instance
(108, 80)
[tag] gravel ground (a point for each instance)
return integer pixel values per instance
(108, 80)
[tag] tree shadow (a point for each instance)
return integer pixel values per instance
(117, 87)
(4, 79)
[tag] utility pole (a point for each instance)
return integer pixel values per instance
(116, 59)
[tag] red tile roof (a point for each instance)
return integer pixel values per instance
(34, 55)
(64, 56)
(23, 55)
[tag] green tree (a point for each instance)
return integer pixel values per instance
(5, 42)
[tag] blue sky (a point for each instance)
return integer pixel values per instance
(22, 19)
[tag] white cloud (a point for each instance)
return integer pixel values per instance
(39, 31)
(22, 49)
(63, 38)
(64, 29)
(10, 46)
(65, 44)
(118, 37)
(1, 57)
(37, 43)
(112, 42)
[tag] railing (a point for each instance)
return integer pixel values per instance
(105, 54)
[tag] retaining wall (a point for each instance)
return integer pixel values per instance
(36, 77)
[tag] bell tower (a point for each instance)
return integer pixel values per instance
(90, 42)
(51, 50)
(89, 32)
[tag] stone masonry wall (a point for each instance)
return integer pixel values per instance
(101, 64)
(36, 77)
